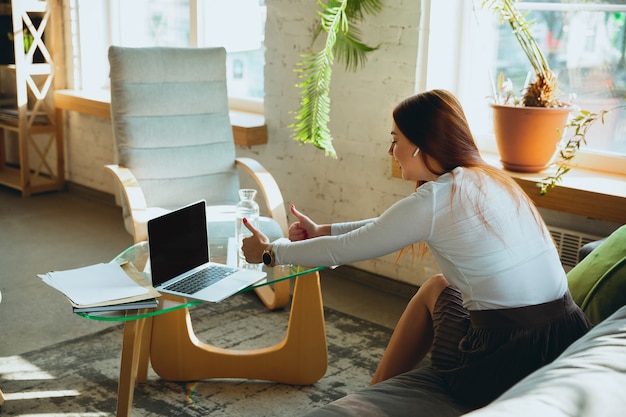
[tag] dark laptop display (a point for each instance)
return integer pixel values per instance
(178, 243)
(180, 261)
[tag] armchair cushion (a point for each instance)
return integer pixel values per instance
(171, 124)
(220, 221)
(586, 380)
(598, 282)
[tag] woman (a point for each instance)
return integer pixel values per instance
(501, 307)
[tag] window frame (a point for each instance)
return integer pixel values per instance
(89, 63)
(453, 26)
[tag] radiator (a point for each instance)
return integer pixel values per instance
(568, 243)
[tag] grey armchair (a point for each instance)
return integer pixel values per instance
(174, 143)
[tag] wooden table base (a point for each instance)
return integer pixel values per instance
(176, 354)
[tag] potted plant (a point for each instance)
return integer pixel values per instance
(540, 98)
(529, 129)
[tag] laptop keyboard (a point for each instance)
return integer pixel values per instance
(201, 279)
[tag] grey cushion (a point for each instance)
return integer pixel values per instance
(587, 248)
(169, 108)
(420, 392)
(587, 380)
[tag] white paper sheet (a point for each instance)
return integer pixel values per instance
(94, 284)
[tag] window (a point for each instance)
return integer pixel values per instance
(238, 25)
(584, 42)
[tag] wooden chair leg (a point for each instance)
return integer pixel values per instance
(301, 358)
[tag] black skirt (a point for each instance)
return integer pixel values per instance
(481, 354)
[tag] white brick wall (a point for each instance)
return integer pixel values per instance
(88, 148)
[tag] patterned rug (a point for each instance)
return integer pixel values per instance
(79, 377)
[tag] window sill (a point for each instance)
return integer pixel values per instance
(583, 192)
(249, 129)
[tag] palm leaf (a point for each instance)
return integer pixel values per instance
(351, 51)
(337, 20)
(356, 10)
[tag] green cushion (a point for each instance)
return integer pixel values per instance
(598, 282)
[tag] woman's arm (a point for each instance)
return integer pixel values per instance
(406, 222)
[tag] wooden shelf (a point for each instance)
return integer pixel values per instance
(248, 129)
(40, 165)
(11, 177)
(9, 120)
(583, 192)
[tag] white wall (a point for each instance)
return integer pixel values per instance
(88, 147)
(356, 185)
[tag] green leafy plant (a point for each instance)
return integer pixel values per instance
(577, 129)
(343, 41)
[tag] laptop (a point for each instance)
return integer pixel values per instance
(179, 258)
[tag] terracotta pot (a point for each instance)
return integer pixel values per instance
(527, 137)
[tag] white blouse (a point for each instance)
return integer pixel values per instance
(498, 256)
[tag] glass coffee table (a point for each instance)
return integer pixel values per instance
(164, 338)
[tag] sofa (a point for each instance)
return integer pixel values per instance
(587, 380)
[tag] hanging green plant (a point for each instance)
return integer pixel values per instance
(343, 41)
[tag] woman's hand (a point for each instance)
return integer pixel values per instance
(304, 228)
(253, 246)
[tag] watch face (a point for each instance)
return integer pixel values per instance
(267, 258)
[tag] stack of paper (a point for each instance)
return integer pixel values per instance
(103, 287)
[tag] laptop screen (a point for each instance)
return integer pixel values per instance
(178, 242)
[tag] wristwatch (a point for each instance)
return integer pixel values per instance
(268, 257)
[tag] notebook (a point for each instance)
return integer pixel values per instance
(179, 258)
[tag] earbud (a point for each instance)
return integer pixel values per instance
(416, 152)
